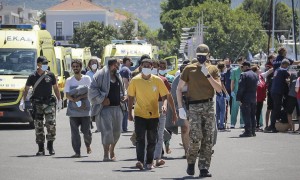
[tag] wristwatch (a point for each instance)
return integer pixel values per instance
(208, 76)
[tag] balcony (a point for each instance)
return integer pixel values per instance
(69, 38)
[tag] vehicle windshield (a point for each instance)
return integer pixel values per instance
(134, 60)
(17, 61)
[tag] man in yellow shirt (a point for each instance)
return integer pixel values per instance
(146, 89)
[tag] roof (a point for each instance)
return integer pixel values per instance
(120, 17)
(76, 5)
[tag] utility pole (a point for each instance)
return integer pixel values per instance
(270, 26)
(273, 27)
(294, 30)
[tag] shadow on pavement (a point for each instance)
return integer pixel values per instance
(126, 134)
(69, 157)
(132, 147)
(129, 159)
(132, 169)
(15, 127)
(29, 156)
(172, 158)
(91, 161)
(183, 178)
(236, 137)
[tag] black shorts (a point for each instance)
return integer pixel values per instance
(291, 105)
(269, 101)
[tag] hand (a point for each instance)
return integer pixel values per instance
(106, 102)
(164, 109)
(174, 118)
(232, 94)
(124, 99)
(271, 70)
(130, 117)
(227, 97)
(240, 103)
(22, 106)
(204, 70)
(182, 113)
(59, 105)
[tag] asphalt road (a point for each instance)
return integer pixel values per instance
(266, 156)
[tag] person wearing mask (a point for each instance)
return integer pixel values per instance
(93, 66)
(246, 96)
(269, 65)
(42, 82)
(261, 92)
(162, 117)
(146, 89)
(107, 96)
(126, 77)
(76, 90)
(163, 71)
(235, 77)
(278, 90)
(204, 78)
(221, 99)
(227, 83)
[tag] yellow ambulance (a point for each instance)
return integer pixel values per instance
(63, 63)
(83, 54)
(20, 45)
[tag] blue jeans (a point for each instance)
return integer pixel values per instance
(125, 121)
(220, 108)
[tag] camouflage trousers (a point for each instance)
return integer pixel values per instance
(48, 111)
(202, 124)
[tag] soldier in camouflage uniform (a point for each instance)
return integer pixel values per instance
(43, 103)
(202, 80)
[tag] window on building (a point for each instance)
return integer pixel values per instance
(58, 28)
(76, 25)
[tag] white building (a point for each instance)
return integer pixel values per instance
(63, 18)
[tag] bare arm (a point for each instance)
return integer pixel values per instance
(56, 91)
(181, 84)
(126, 83)
(216, 84)
(130, 104)
(296, 62)
(165, 101)
(232, 85)
(25, 92)
(296, 89)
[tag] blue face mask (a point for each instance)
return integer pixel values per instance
(44, 67)
(201, 59)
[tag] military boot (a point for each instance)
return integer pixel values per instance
(50, 147)
(41, 151)
(253, 132)
(247, 133)
(204, 173)
(190, 169)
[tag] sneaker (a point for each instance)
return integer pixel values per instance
(246, 134)
(232, 127)
(270, 130)
(160, 163)
(204, 173)
(88, 150)
(76, 156)
(139, 165)
(150, 166)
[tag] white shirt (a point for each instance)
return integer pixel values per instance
(73, 82)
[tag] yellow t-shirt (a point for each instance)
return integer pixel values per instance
(199, 87)
(146, 93)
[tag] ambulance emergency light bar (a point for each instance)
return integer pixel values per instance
(18, 26)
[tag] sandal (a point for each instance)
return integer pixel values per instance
(160, 163)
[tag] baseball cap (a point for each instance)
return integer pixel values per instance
(145, 56)
(42, 59)
(202, 49)
(246, 63)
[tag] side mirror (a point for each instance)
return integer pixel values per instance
(66, 74)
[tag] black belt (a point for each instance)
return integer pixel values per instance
(201, 101)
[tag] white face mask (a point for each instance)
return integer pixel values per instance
(162, 72)
(146, 71)
(94, 66)
(154, 71)
(44, 67)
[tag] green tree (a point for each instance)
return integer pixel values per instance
(127, 29)
(229, 32)
(94, 35)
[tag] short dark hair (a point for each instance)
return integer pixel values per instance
(241, 58)
(255, 68)
(281, 50)
(146, 61)
(163, 62)
(155, 61)
(125, 59)
(221, 65)
(271, 56)
(77, 61)
(90, 61)
(111, 62)
(145, 56)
